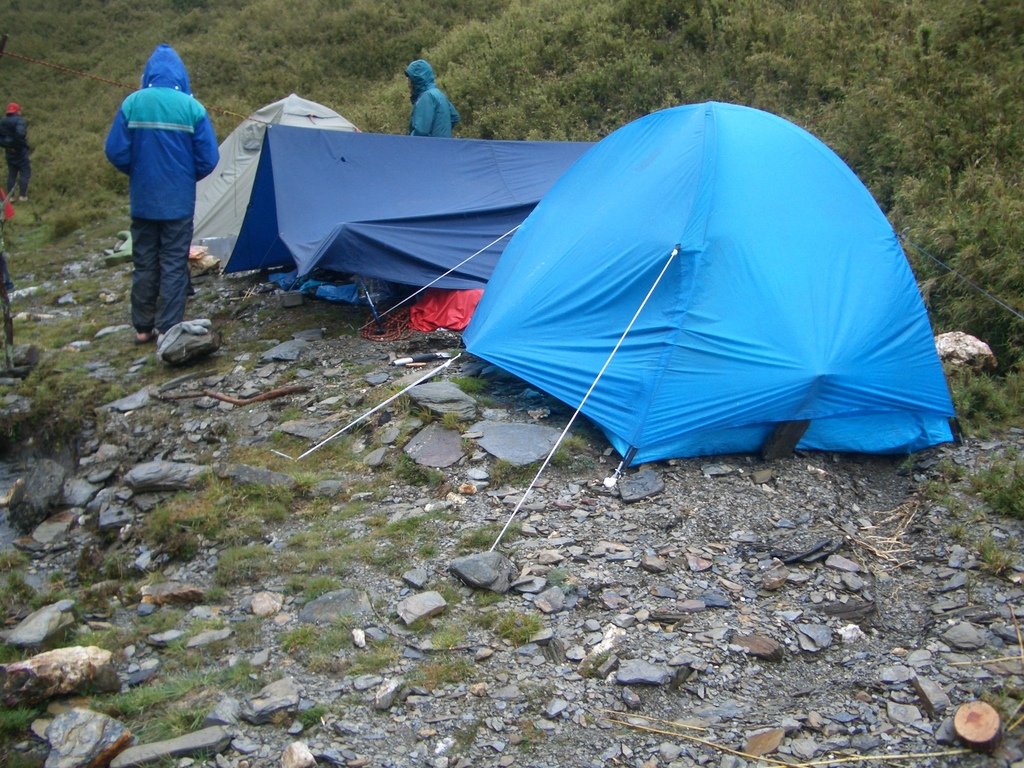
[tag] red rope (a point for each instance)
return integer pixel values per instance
(391, 328)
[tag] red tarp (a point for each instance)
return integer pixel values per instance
(439, 308)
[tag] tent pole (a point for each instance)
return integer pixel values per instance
(611, 355)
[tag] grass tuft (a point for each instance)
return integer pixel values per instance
(513, 626)
(1002, 486)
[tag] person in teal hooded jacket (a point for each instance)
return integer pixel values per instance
(163, 139)
(432, 112)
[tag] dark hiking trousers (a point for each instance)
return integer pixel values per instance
(160, 273)
(19, 171)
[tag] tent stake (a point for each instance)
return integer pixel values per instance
(609, 482)
(373, 307)
(370, 412)
(611, 355)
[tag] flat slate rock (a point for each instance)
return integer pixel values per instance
(214, 739)
(163, 476)
(485, 570)
(55, 528)
(41, 625)
(281, 696)
(31, 502)
(422, 605)
(518, 444)
(435, 446)
(79, 737)
(78, 491)
(132, 402)
(247, 475)
(179, 346)
(640, 485)
(328, 607)
(306, 429)
(288, 351)
(444, 397)
(639, 672)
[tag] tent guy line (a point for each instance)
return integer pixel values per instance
(376, 319)
(97, 78)
(370, 412)
(975, 286)
(609, 481)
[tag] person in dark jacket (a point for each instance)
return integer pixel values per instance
(163, 139)
(19, 166)
(432, 112)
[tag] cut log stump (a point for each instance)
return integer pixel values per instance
(978, 726)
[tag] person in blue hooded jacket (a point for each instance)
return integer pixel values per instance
(432, 113)
(163, 139)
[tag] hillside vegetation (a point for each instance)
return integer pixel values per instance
(923, 98)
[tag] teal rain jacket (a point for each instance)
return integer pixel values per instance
(164, 140)
(432, 112)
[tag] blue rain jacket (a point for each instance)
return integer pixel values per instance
(432, 113)
(163, 139)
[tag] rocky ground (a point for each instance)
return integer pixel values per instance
(817, 609)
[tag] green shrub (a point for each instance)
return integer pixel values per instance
(513, 626)
(1002, 487)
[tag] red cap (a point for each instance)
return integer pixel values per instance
(13, 108)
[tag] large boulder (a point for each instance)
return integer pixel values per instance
(34, 499)
(962, 350)
(484, 570)
(56, 673)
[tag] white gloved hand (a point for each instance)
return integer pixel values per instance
(196, 327)
(193, 327)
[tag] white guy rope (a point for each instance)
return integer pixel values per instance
(586, 397)
(370, 412)
(961, 277)
(440, 277)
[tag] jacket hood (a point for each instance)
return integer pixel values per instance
(421, 76)
(165, 69)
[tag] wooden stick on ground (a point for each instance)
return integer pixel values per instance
(268, 395)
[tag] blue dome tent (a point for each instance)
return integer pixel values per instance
(759, 282)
